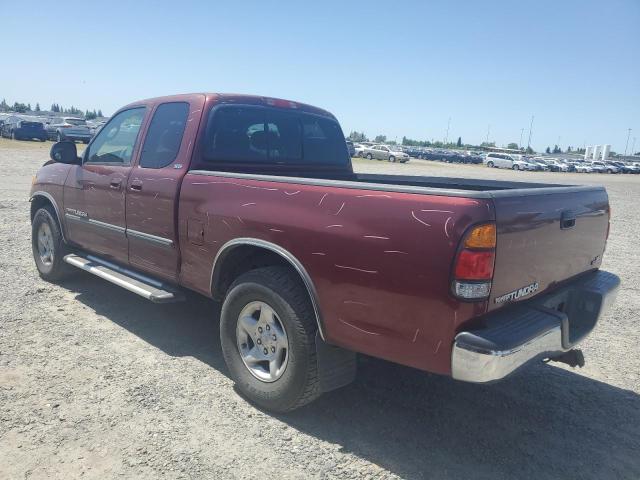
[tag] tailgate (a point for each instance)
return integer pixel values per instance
(545, 238)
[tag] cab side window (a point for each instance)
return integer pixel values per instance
(164, 136)
(117, 139)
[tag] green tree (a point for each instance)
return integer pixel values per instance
(530, 150)
(459, 142)
(100, 115)
(380, 139)
(548, 150)
(513, 146)
(19, 107)
(353, 136)
(4, 106)
(557, 149)
(37, 107)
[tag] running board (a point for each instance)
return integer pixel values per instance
(137, 283)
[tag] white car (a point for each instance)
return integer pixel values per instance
(359, 148)
(504, 160)
(581, 167)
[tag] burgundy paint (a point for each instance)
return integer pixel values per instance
(380, 261)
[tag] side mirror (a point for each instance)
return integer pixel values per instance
(65, 152)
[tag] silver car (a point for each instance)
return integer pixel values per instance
(385, 152)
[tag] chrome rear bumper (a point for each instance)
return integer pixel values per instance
(544, 327)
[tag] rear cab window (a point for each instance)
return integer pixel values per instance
(164, 136)
(254, 135)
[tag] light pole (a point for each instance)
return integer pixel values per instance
(488, 130)
(633, 146)
(521, 133)
(530, 128)
(446, 138)
(627, 144)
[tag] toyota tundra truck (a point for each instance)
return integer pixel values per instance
(253, 202)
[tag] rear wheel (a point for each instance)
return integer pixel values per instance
(48, 245)
(267, 332)
(392, 158)
(516, 167)
(490, 164)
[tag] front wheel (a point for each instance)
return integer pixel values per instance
(516, 167)
(490, 164)
(267, 332)
(392, 158)
(48, 245)
(369, 156)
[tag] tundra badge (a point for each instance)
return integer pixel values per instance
(521, 292)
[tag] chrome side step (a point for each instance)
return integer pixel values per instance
(137, 283)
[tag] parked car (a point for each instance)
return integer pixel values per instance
(580, 167)
(385, 152)
(602, 167)
(553, 164)
(18, 128)
(68, 128)
(534, 166)
(504, 160)
(314, 262)
(359, 149)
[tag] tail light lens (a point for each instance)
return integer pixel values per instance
(473, 269)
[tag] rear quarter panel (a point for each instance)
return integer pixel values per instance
(380, 261)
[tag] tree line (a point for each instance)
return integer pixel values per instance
(18, 107)
(356, 136)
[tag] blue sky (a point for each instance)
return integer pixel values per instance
(395, 68)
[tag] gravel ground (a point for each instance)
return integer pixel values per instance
(97, 383)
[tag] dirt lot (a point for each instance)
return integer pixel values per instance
(97, 383)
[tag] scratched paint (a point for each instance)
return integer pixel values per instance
(356, 269)
(413, 214)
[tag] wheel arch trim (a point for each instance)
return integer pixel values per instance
(282, 252)
(52, 201)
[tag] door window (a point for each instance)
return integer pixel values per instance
(115, 142)
(164, 137)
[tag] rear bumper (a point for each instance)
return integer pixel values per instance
(541, 328)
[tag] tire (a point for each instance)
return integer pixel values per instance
(13, 136)
(54, 269)
(392, 159)
(516, 167)
(278, 288)
(490, 164)
(59, 137)
(369, 156)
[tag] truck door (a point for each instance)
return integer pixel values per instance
(94, 192)
(154, 185)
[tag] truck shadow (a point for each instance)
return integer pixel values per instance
(545, 423)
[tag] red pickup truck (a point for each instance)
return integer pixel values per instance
(253, 201)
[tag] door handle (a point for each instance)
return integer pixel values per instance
(136, 185)
(115, 184)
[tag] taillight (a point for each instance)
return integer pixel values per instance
(473, 269)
